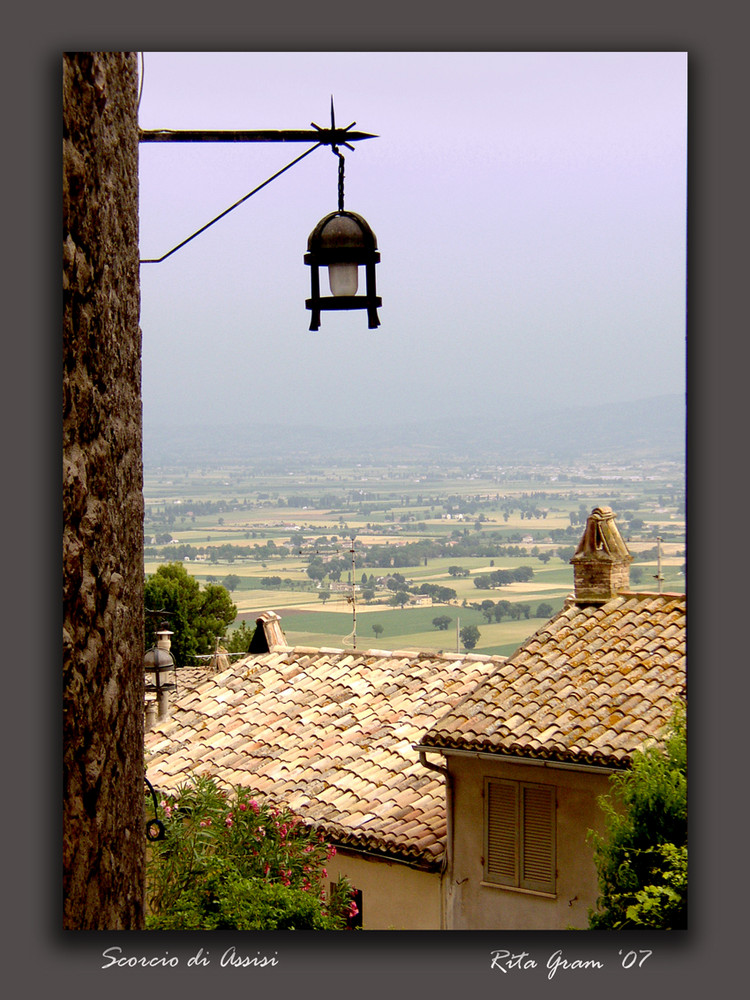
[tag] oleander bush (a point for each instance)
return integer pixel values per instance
(229, 861)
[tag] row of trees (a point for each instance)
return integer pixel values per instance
(515, 610)
(503, 577)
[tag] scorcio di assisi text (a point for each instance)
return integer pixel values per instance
(115, 959)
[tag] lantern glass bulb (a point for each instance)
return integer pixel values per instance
(343, 279)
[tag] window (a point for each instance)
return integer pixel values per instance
(519, 845)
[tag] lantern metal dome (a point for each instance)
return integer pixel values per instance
(157, 661)
(343, 241)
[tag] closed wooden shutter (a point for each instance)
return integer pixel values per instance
(538, 838)
(520, 835)
(501, 851)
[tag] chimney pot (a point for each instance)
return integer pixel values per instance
(601, 564)
(268, 633)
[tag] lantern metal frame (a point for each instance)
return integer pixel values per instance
(156, 661)
(330, 244)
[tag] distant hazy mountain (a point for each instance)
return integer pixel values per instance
(648, 428)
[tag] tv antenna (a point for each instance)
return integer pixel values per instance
(658, 575)
(351, 639)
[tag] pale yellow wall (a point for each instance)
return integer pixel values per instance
(395, 897)
(470, 905)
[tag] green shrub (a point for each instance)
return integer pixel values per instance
(228, 861)
(642, 859)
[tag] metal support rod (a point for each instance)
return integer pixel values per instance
(321, 136)
(332, 137)
(158, 260)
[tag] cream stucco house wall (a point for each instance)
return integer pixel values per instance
(529, 751)
(471, 899)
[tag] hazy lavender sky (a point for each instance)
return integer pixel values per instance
(530, 210)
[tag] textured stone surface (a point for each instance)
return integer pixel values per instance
(103, 832)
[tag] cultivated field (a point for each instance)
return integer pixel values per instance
(283, 542)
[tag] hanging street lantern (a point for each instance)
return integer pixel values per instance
(157, 661)
(343, 242)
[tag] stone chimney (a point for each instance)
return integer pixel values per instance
(601, 564)
(268, 633)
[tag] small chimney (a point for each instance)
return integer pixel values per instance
(601, 564)
(268, 633)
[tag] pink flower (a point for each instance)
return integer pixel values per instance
(243, 807)
(254, 806)
(205, 822)
(331, 853)
(229, 821)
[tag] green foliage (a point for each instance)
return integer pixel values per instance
(663, 904)
(229, 861)
(195, 616)
(642, 860)
(239, 639)
(469, 636)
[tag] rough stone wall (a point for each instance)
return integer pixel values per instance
(103, 832)
(597, 581)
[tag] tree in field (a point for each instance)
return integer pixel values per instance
(399, 599)
(195, 616)
(442, 622)
(231, 582)
(324, 595)
(377, 629)
(544, 610)
(487, 608)
(317, 570)
(469, 636)
(642, 858)
(502, 609)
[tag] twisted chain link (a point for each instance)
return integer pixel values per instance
(341, 177)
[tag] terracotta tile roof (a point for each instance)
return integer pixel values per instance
(590, 687)
(329, 733)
